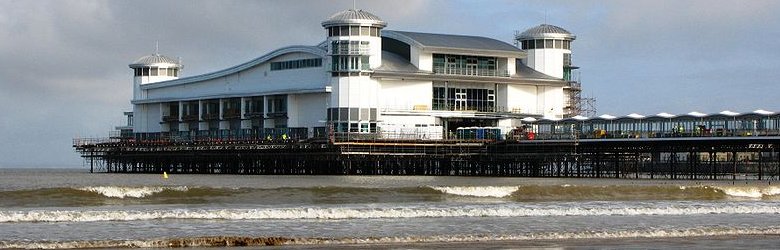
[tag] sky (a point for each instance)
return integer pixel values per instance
(64, 73)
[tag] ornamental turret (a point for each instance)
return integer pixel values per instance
(354, 50)
(153, 68)
(549, 50)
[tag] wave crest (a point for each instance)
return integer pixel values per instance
(478, 191)
(368, 212)
(132, 192)
(748, 191)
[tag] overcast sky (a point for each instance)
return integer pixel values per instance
(64, 74)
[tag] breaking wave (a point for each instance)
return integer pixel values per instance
(479, 191)
(749, 192)
(128, 195)
(227, 241)
(132, 192)
(408, 211)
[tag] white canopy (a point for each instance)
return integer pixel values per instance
(763, 112)
(579, 118)
(635, 116)
(607, 117)
(729, 113)
(697, 114)
(666, 115)
(528, 119)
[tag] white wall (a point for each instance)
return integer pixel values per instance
(520, 98)
(553, 102)
(307, 110)
(421, 60)
(405, 94)
(406, 120)
(355, 91)
(547, 61)
(146, 118)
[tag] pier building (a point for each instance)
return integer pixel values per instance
(373, 101)
(363, 78)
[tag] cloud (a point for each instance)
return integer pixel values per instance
(65, 71)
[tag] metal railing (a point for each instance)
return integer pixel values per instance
(466, 71)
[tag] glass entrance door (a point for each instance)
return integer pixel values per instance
(460, 99)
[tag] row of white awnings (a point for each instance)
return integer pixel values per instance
(663, 115)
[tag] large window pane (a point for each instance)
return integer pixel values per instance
(354, 30)
(344, 30)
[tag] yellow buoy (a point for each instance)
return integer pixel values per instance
(165, 175)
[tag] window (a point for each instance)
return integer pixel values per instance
(531, 44)
(343, 114)
(558, 44)
(353, 127)
(153, 72)
(374, 31)
(548, 44)
(353, 114)
(296, 64)
(344, 30)
(482, 100)
(334, 31)
(364, 65)
(145, 72)
(364, 31)
(567, 44)
(354, 30)
(163, 72)
(539, 43)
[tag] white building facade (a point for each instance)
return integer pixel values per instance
(363, 79)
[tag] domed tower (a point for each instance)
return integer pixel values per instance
(549, 50)
(354, 50)
(153, 68)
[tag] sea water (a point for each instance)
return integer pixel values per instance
(50, 208)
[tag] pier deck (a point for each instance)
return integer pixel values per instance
(753, 157)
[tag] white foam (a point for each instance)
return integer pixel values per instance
(749, 191)
(660, 233)
(479, 191)
(133, 192)
(408, 211)
(205, 242)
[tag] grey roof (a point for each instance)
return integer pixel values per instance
(523, 71)
(545, 31)
(314, 50)
(154, 59)
(453, 41)
(395, 63)
(353, 16)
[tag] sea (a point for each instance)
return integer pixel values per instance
(74, 209)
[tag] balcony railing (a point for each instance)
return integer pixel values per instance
(470, 71)
(190, 117)
(212, 116)
(345, 49)
(171, 118)
(231, 114)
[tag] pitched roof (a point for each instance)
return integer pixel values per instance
(429, 40)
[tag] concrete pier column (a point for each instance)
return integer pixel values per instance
(245, 122)
(202, 125)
